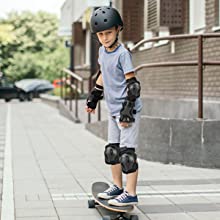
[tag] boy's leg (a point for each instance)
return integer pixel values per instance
(117, 174)
(128, 143)
(114, 137)
(112, 151)
(129, 139)
(132, 183)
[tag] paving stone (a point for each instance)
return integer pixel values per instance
(48, 212)
(38, 218)
(205, 215)
(170, 216)
(34, 204)
(86, 217)
(147, 209)
(71, 204)
(199, 207)
(75, 211)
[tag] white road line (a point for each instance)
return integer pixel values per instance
(155, 194)
(7, 191)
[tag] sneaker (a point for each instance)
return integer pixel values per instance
(111, 192)
(123, 200)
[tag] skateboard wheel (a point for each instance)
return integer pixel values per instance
(133, 217)
(106, 217)
(91, 203)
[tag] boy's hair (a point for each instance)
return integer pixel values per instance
(104, 18)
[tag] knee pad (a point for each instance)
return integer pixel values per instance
(128, 160)
(112, 154)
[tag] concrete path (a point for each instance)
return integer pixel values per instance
(55, 161)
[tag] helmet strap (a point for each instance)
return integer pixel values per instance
(115, 41)
(113, 44)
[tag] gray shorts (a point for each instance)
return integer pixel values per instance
(127, 137)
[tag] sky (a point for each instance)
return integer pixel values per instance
(52, 6)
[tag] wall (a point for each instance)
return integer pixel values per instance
(179, 82)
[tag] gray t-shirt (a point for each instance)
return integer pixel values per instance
(114, 65)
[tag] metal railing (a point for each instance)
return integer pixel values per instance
(75, 83)
(199, 62)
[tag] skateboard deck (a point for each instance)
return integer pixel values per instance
(110, 211)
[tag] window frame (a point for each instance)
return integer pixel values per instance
(216, 27)
(193, 26)
(218, 13)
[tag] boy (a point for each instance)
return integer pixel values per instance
(121, 91)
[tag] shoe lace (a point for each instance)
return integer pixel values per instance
(111, 189)
(122, 196)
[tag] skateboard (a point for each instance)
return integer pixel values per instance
(109, 212)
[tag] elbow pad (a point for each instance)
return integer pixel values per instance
(133, 89)
(95, 95)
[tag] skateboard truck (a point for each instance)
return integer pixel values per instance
(120, 216)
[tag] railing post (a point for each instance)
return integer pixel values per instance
(61, 85)
(65, 89)
(99, 111)
(71, 94)
(76, 101)
(200, 76)
(89, 89)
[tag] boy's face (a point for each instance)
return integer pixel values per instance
(107, 37)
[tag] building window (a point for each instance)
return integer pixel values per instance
(216, 27)
(197, 16)
(218, 14)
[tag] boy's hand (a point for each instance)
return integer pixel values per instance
(90, 110)
(125, 124)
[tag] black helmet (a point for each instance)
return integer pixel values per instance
(104, 18)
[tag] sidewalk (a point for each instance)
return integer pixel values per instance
(55, 162)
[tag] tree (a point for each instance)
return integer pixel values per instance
(6, 35)
(36, 50)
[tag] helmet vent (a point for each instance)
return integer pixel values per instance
(96, 23)
(96, 14)
(103, 12)
(105, 20)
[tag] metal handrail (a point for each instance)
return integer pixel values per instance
(200, 62)
(75, 76)
(92, 79)
(172, 37)
(72, 82)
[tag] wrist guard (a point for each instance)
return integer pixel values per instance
(126, 113)
(95, 95)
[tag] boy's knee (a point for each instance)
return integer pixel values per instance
(112, 152)
(128, 160)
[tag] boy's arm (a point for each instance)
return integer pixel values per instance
(129, 75)
(95, 95)
(99, 80)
